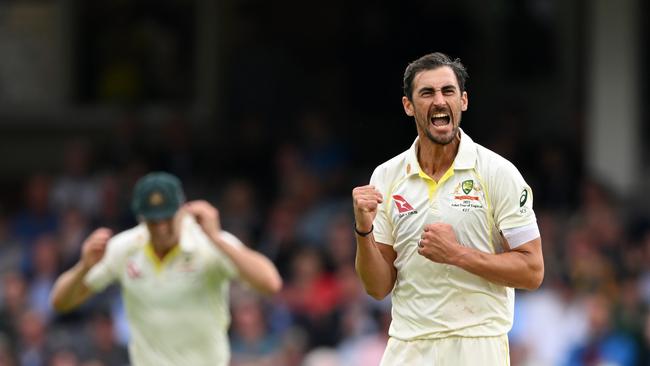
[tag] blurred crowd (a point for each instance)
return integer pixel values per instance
(290, 199)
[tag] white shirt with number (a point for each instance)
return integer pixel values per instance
(177, 308)
(481, 194)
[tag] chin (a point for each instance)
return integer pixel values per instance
(445, 139)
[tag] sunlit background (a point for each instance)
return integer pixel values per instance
(273, 111)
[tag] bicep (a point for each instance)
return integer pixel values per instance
(83, 295)
(532, 271)
(531, 251)
(389, 255)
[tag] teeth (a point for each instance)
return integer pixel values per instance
(440, 115)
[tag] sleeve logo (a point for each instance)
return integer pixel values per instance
(523, 198)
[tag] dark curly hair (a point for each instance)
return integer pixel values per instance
(433, 61)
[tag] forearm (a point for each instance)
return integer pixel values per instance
(522, 269)
(376, 272)
(253, 267)
(69, 291)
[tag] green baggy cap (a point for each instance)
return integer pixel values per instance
(157, 196)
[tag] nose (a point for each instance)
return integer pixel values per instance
(438, 98)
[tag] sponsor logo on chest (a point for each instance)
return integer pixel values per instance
(133, 270)
(403, 207)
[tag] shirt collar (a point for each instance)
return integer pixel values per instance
(465, 158)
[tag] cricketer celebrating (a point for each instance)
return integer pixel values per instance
(448, 229)
(174, 269)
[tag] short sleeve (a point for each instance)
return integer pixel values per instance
(223, 265)
(382, 230)
(105, 271)
(512, 199)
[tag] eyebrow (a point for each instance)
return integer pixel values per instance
(431, 89)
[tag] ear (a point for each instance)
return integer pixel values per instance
(408, 107)
(464, 102)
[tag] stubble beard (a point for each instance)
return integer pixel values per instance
(441, 140)
(165, 239)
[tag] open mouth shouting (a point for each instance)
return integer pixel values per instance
(440, 119)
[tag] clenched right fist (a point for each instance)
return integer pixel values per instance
(365, 199)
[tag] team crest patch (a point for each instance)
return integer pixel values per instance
(403, 207)
(187, 264)
(467, 186)
(467, 196)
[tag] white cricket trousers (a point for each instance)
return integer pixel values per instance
(451, 351)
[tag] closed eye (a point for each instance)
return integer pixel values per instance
(448, 90)
(445, 90)
(426, 92)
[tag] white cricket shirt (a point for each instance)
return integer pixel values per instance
(177, 308)
(481, 194)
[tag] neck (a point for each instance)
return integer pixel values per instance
(162, 250)
(435, 159)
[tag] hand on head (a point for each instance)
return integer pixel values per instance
(206, 215)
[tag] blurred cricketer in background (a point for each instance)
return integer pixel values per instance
(448, 229)
(174, 270)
